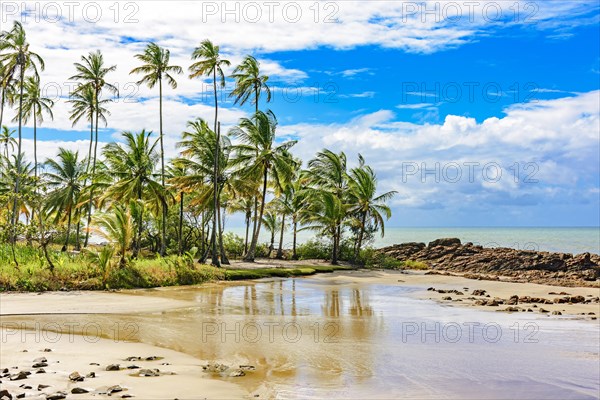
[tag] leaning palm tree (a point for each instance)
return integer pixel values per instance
(365, 203)
(155, 67)
(133, 165)
(7, 140)
(92, 72)
(34, 107)
(64, 180)
(210, 63)
(258, 155)
(17, 59)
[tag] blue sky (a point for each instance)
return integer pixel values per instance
(508, 126)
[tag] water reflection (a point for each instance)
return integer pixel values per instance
(310, 338)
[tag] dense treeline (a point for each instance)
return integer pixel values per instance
(144, 204)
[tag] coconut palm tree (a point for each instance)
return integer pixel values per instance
(210, 63)
(365, 203)
(156, 67)
(34, 107)
(92, 72)
(17, 59)
(326, 213)
(64, 178)
(178, 170)
(7, 140)
(271, 223)
(258, 154)
(249, 83)
(133, 166)
(328, 172)
(7, 87)
(118, 228)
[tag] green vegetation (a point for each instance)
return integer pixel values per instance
(163, 219)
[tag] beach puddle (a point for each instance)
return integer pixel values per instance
(321, 338)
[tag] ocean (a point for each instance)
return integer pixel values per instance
(574, 240)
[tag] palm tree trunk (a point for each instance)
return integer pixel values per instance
(87, 170)
(180, 252)
(2, 101)
(272, 244)
(248, 218)
(138, 241)
(250, 256)
(77, 232)
(66, 246)
(294, 254)
(224, 259)
(35, 162)
(215, 257)
(360, 236)
(18, 178)
(89, 218)
(334, 256)
(163, 241)
(280, 249)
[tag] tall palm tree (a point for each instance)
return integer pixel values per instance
(177, 170)
(258, 154)
(17, 58)
(365, 203)
(210, 63)
(64, 179)
(133, 165)
(328, 172)
(7, 140)
(250, 84)
(92, 72)
(34, 107)
(271, 224)
(155, 67)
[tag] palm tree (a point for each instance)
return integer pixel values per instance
(118, 228)
(133, 167)
(178, 170)
(155, 68)
(92, 72)
(17, 58)
(367, 206)
(249, 83)
(328, 172)
(271, 224)
(65, 181)
(326, 214)
(7, 87)
(211, 63)
(34, 107)
(7, 140)
(258, 155)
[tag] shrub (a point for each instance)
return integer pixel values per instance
(314, 249)
(233, 244)
(372, 258)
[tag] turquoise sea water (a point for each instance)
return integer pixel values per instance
(559, 239)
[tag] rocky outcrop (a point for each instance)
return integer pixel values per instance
(451, 255)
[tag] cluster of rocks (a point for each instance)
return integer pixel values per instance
(488, 263)
(227, 371)
(479, 297)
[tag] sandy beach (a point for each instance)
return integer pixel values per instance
(88, 351)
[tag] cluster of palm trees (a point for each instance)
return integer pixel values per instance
(130, 193)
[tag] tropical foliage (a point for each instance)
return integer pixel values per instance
(143, 204)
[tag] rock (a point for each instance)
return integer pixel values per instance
(153, 358)
(40, 387)
(247, 367)
(492, 303)
(4, 371)
(113, 367)
(57, 396)
(26, 387)
(75, 377)
(478, 292)
(21, 396)
(78, 390)
(47, 350)
(431, 289)
(133, 359)
(236, 373)
(543, 310)
(95, 364)
(91, 375)
(556, 313)
(216, 368)
(512, 309)
(149, 372)
(132, 367)
(126, 396)
(20, 376)
(591, 313)
(447, 298)
(529, 310)
(39, 365)
(40, 371)
(114, 389)
(40, 360)
(576, 299)
(446, 242)
(4, 394)
(514, 300)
